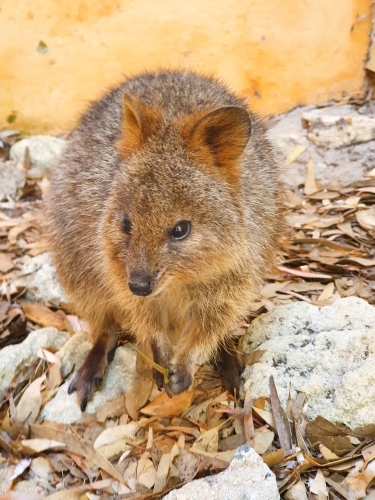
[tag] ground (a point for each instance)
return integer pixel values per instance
(142, 444)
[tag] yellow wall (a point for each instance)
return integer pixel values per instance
(279, 52)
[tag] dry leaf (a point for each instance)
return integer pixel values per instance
(163, 468)
(117, 432)
(366, 218)
(327, 292)
(31, 446)
(262, 440)
(274, 458)
(76, 446)
(296, 492)
(29, 405)
(164, 406)
(310, 184)
(141, 389)
(295, 152)
(6, 263)
(327, 453)
(281, 420)
(318, 485)
(45, 317)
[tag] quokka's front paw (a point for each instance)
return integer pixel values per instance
(179, 381)
(87, 379)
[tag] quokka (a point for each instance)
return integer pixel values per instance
(163, 216)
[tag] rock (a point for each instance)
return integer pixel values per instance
(340, 142)
(14, 358)
(246, 477)
(12, 181)
(39, 277)
(74, 352)
(44, 151)
(119, 377)
(326, 352)
(338, 130)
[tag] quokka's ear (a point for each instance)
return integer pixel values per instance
(139, 122)
(220, 136)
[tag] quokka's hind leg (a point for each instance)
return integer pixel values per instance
(230, 366)
(91, 373)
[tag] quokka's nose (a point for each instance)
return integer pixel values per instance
(141, 283)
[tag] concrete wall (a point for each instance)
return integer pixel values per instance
(278, 52)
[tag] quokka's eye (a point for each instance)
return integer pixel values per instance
(181, 230)
(126, 224)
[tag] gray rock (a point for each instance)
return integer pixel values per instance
(338, 129)
(74, 352)
(39, 277)
(246, 477)
(14, 358)
(44, 151)
(340, 142)
(64, 408)
(12, 181)
(327, 352)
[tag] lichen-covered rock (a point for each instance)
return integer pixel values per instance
(119, 377)
(38, 275)
(339, 140)
(246, 477)
(44, 151)
(326, 352)
(14, 358)
(12, 181)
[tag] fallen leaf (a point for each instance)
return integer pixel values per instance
(295, 152)
(117, 432)
(310, 184)
(296, 492)
(6, 263)
(29, 405)
(281, 420)
(76, 445)
(164, 406)
(141, 389)
(43, 316)
(318, 485)
(262, 440)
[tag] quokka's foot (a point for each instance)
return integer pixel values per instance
(231, 369)
(179, 381)
(89, 377)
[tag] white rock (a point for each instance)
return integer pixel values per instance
(74, 352)
(336, 131)
(327, 352)
(12, 181)
(14, 358)
(119, 377)
(44, 151)
(246, 477)
(39, 277)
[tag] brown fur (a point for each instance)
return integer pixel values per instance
(162, 148)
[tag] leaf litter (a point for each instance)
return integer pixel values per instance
(142, 443)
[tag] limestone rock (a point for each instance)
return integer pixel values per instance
(338, 130)
(39, 277)
(119, 377)
(12, 181)
(246, 477)
(340, 141)
(326, 352)
(14, 358)
(44, 151)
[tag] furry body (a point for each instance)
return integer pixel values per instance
(161, 148)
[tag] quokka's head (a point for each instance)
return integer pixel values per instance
(174, 215)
